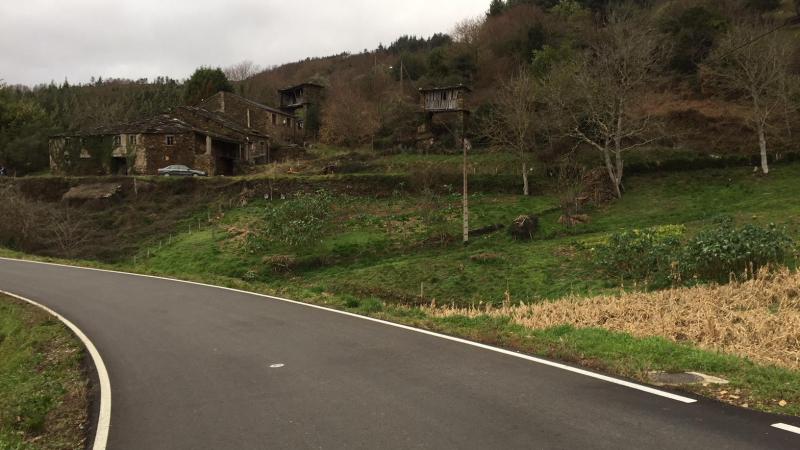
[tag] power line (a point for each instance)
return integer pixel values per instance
(791, 21)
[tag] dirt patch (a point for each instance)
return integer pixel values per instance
(93, 191)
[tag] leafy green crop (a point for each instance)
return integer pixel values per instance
(647, 255)
(716, 253)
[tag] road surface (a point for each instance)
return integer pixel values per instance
(197, 367)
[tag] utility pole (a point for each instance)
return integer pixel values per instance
(402, 69)
(466, 183)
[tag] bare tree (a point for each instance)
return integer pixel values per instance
(349, 118)
(514, 122)
(756, 68)
(242, 71)
(67, 231)
(597, 95)
(468, 30)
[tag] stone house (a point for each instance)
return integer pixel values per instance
(303, 101)
(219, 136)
(283, 125)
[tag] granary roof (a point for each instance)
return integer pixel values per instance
(308, 83)
(458, 87)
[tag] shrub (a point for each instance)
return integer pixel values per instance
(301, 220)
(716, 253)
(647, 255)
(524, 227)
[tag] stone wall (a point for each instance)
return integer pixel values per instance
(87, 155)
(157, 154)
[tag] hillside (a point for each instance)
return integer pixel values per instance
(371, 97)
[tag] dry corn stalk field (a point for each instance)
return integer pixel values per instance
(758, 319)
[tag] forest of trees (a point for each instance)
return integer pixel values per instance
(605, 77)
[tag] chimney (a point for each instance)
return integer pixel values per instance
(222, 101)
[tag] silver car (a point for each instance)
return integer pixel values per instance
(181, 171)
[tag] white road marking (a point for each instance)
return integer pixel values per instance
(276, 366)
(104, 419)
(534, 359)
(789, 428)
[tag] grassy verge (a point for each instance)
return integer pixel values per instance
(43, 387)
(761, 387)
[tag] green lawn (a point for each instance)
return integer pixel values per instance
(43, 388)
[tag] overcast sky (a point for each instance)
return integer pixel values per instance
(44, 40)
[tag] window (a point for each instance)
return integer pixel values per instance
(274, 119)
(117, 140)
(170, 139)
(131, 139)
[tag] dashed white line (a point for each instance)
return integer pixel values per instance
(104, 418)
(789, 428)
(534, 359)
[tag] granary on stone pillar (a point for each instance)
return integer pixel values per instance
(450, 102)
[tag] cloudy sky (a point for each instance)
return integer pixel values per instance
(44, 40)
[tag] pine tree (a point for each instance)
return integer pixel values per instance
(496, 8)
(204, 83)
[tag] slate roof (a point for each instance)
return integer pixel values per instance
(160, 124)
(256, 104)
(177, 122)
(291, 88)
(458, 87)
(219, 118)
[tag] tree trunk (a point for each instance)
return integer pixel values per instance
(611, 175)
(525, 186)
(619, 171)
(617, 177)
(762, 144)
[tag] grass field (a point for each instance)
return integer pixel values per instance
(398, 248)
(43, 388)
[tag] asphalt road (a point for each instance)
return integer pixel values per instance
(191, 368)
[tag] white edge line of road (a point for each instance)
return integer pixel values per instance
(545, 362)
(104, 418)
(789, 428)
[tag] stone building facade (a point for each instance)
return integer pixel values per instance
(283, 126)
(304, 102)
(219, 136)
